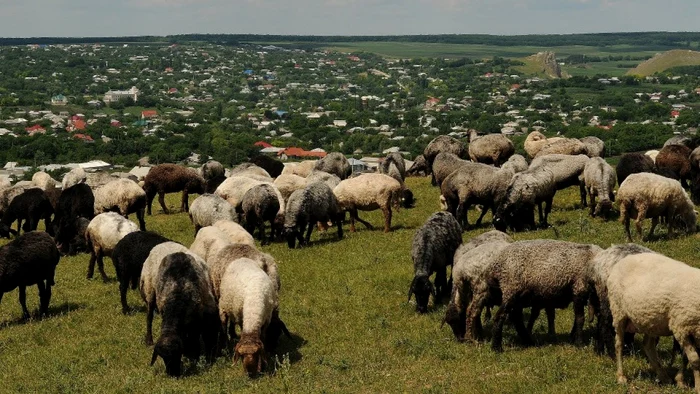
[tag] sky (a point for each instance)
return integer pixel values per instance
(99, 18)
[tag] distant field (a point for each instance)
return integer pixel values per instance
(667, 60)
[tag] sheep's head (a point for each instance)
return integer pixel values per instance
(457, 320)
(274, 331)
(687, 221)
(291, 234)
(407, 198)
(422, 288)
(603, 208)
(169, 348)
(5, 231)
(251, 351)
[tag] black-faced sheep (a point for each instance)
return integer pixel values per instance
(123, 196)
(172, 178)
(433, 249)
(526, 189)
(28, 260)
(595, 147)
(213, 173)
(444, 164)
(443, 144)
(419, 167)
(181, 292)
(75, 202)
(335, 163)
(315, 203)
(128, 257)
(633, 163)
(208, 209)
(102, 235)
(261, 204)
(599, 180)
(234, 188)
(490, 149)
(73, 177)
(368, 192)
(30, 206)
(273, 166)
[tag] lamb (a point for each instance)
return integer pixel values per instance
(219, 259)
(567, 170)
(235, 232)
(29, 259)
(288, 183)
(599, 180)
(656, 296)
(123, 196)
(526, 189)
(595, 147)
(329, 179)
(172, 178)
(179, 287)
(248, 300)
(420, 166)
(43, 181)
(650, 195)
(434, 246)
(674, 161)
(397, 160)
(213, 173)
(335, 163)
(128, 257)
(73, 177)
(368, 192)
(443, 144)
(273, 166)
(208, 209)
(32, 206)
(303, 169)
(445, 164)
(102, 235)
(74, 203)
(540, 274)
(260, 204)
(516, 163)
(633, 163)
(315, 203)
(490, 149)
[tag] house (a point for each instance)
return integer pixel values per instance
(59, 99)
(262, 144)
(299, 153)
(149, 114)
(340, 123)
(83, 137)
(357, 165)
(117, 95)
(76, 125)
(36, 129)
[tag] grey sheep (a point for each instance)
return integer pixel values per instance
(444, 164)
(260, 204)
(516, 163)
(208, 209)
(434, 246)
(123, 196)
(595, 147)
(331, 180)
(490, 148)
(526, 189)
(335, 163)
(681, 140)
(397, 160)
(566, 169)
(443, 144)
(599, 181)
(315, 203)
(368, 192)
(213, 173)
(419, 167)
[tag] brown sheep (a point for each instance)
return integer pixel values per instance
(673, 161)
(172, 178)
(490, 149)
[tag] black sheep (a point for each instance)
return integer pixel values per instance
(30, 259)
(632, 163)
(32, 206)
(260, 204)
(273, 166)
(306, 207)
(128, 257)
(74, 203)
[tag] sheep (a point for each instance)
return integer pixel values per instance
(444, 164)
(599, 270)
(649, 195)
(209, 241)
(102, 235)
(633, 163)
(674, 161)
(75, 202)
(565, 146)
(303, 169)
(27, 260)
(180, 289)
(315, 203)
(595, 147)
(434, 246)
(526, 189)
(128, 257)
(171, 178)
(654, 295)
(681, 140)
(335, 163)
(273, 166)
(213, 173)
(695, 175)
(32, 206)
(218, 260)
(420, 166)
(490, 149)
(516, 163)
(234, 188)
(288, 183)
(599, 180)
(43, 180)
(73, 177)
(368, 192)
(331, 180)
(534, 143)
(208, 209)
(123, 196)
(235, 232)
(541, 274)
(444, 144)
(9, 194)
(260, 204)
(567, 170)
(248, 299)
(250, 170)
(652, 154)
(397, 160)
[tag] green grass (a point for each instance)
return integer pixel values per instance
(666, 60)
(345, 303)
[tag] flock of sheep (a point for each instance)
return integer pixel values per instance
(222, 281)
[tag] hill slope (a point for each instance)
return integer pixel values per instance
(664, 61)
(542, 64)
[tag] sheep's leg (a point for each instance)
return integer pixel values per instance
(638, 222)
(123, 287)
(579, 320)
(353, 214)
(44, 297)
(184, 205)
(149, 201)
(539, 211)
(534, 314)
(19, 226)
(619, 342)
(387, 219)
(461, 215)
(582, 192)
(308, 232)
(23, 301)
(551, 331)
(626, 221)
(654, 223)
(151, 308)
(140, 215)
(91, 264)
(484, 210)
(694, 361)
(161, 200)
(497, 336)
(473, 319)
(365, 223)
(101, 266)
(547, 210)
(592, 207)
(516, 318)
(653, 356)
(339, 223)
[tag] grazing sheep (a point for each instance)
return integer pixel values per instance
(652, 154)
(102, 235)
(563, 146)
(123, 196)
(208, 209)
(31, 206)
(681, 140)
(235, 232)
(434, 246)
(444, 164)
(29, 259)
(674, 161)
(315, 203)
(209, 241)
(419, 167)
(181, 291)
(44, 181)
(321, 176)
(75, 202)
(397, 160)
(655, 196)
(213, 173)
(368, 192)
(567, 170)
(334, 163)
(273, 166)
(599, 180)
(218, 261)
(595, 147)
(248, 299)
(654, 295)
(490, 149)
(260, 204)
(633, 163)
(540, 274)
(9, 194)
(534, 143)
(288, 183)
(250, 170)
(128, 257)
(526, 189)
(599, 270)
(443, 144)
(73, 177)
(516, 163)
(172, 178)
(303, 169)
(234, 188)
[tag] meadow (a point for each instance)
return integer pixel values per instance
(345, 304)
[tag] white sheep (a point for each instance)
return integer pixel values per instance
(236, 233)
(124, 196)
(218, 259)
(652, 153)
(368, 192)
(288, 183)
(599, 179)
(645, 195)
(44, 181)
(654, 295)
(73, 177)
(102, 235)
(303, 169)
(209, 241)
(208, 209)
(234, 188)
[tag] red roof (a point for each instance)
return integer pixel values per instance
(262, 144)
(675, 114)
(83, 137)
(298, 152)
(115, 123)
(79, 124)
(150, 113)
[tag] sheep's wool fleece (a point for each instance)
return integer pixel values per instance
(367, 191)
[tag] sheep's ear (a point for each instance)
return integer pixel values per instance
(154, 357)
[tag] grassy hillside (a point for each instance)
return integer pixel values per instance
(542, 64)
(345, 303)
(666, 60)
